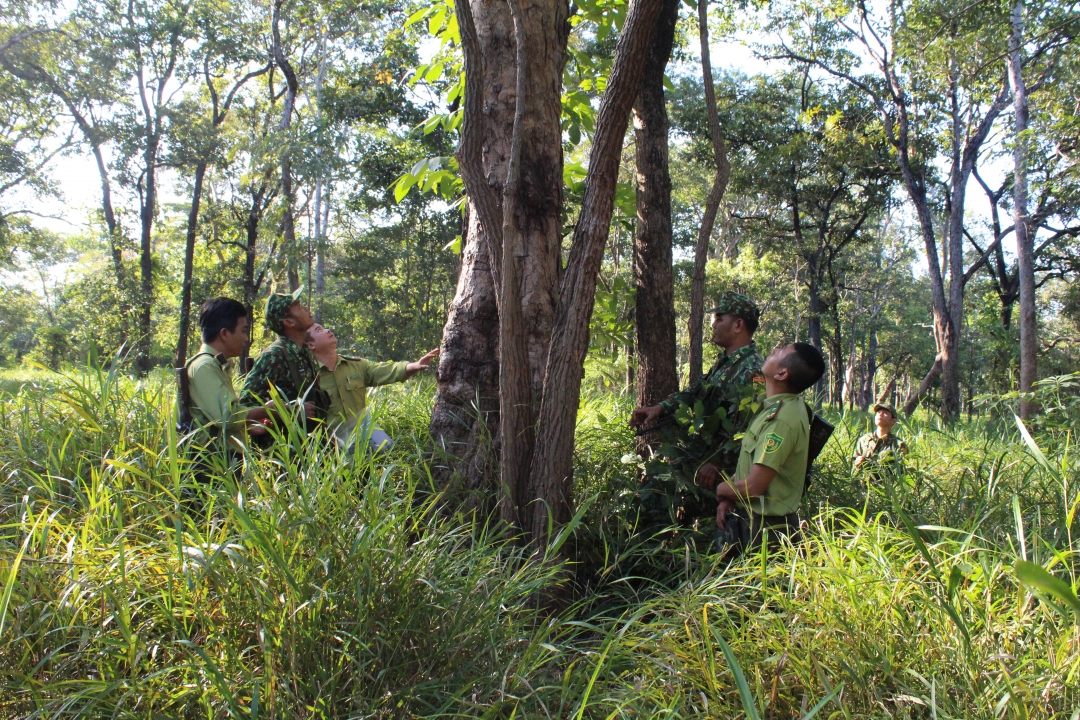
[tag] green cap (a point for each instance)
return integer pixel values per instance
(277, 308)
(886, 406)
(735, 303)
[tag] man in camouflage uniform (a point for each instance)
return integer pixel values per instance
(880, 447)
(287, 364)
(699, 425)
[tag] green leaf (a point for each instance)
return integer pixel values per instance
(417, 16)
(1037, 579)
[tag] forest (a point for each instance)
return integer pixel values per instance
(553, 194)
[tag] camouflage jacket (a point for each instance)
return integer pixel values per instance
(722, 385)
(703, 423)
(881, 450)
(289, 367)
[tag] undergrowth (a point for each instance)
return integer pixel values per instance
(311, 584)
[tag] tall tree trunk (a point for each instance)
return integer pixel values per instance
(867, 394)
(465, 419)
(288, 192)
(1025, 251)
(550, 481)
(712, 203)
(516, 411)
(654, 280)
(146, 252)
(189, 261)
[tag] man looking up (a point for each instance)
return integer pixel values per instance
(880, 445)
(673, 491)
(765, 492)
(345, 380)
(287, 364)
(214, 405)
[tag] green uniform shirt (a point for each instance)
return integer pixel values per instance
(778, 437)
(348, 382)
(871, 447)
(214, 403)
(289, 367)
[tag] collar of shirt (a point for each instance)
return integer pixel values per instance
(745, 350)
(774, 400)
(219, 356)
(325, 366)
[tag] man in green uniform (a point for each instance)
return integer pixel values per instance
(881, 446)
(213, 402)
(698, 425)
(345, 381)
(763, 496)
(287, 364)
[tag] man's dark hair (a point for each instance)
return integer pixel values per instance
(219, 314)
(805, 366)
(751, 325)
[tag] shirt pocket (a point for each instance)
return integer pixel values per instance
(355, 382)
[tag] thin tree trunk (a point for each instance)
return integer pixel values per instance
(867, 395)
(654, 280)
(924, 387)
(552, 465)
(515, 394)
(189, 261)
(712, 203)
(146, 252)
(1029, 350)
(292, 86)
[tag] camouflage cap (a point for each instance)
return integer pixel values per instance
(886, 406)
(277, 308)
(737, 304)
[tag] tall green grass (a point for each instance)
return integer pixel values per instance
(310, 584)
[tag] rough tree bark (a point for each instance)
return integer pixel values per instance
(1025, 251)
(552, 464)
(654, 281)
(712, 203)
(465, 419)
(516, 411)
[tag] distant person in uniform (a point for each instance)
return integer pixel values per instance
(345, 381)
(287, 363)
(763, 497)
(213, 403)
(880, 446)
(673, 490)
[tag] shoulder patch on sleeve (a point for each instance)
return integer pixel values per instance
(773, 442)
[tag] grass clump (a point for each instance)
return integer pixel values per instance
(311, 584)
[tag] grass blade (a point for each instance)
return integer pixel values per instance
(747, 697)
(1035, 578)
